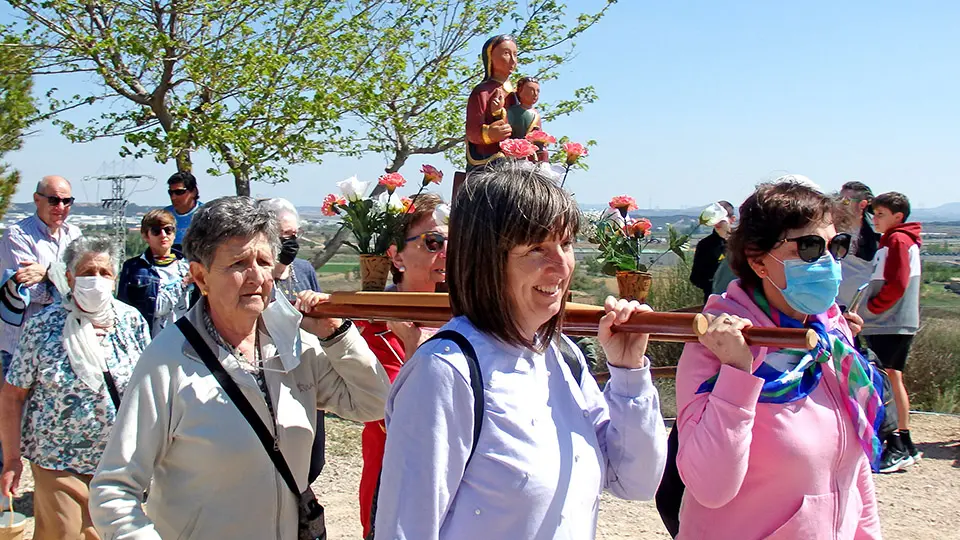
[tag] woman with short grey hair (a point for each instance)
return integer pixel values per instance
(219, 418)
(70, 369)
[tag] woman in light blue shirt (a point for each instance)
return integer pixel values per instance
(548, 441)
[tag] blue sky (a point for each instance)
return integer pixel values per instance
(699, 100)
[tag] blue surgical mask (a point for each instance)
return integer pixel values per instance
(811, 287)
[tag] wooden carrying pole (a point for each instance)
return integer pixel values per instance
(433, 309)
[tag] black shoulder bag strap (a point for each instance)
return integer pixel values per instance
(111, 387)
(241, 402)
(476, 380)
(571, 359)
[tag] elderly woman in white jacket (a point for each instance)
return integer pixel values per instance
(180, 434)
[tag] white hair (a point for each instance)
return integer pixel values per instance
(280, 207)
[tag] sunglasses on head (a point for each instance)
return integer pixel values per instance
(180, 191)
(811, 247)
(432, 241)
(169, 229)
(67, 201)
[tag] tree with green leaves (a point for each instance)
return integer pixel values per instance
(422, 59)
(258, 85)
(17, 112)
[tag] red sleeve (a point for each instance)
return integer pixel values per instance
(476, 115)
(896, 275)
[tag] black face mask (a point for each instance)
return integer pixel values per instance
(289, 246)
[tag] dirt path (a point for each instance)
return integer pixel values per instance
(921, 503)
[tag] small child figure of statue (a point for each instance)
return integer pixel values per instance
(523, 118)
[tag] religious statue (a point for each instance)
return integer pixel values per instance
(523, 118)
(489, 101)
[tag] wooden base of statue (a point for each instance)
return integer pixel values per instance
(374, 271)
(634, 285)
(459, 178)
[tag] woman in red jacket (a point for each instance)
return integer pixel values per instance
(419, 265)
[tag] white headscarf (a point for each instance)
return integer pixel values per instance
(81, 342)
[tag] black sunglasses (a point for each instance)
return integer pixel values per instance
(67, 201)
(432, 240)
(169, 229)
(180, 191)
(811, 247)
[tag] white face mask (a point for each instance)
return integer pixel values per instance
(283, 324)
(93, 293)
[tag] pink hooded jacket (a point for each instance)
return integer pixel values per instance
(764, 470)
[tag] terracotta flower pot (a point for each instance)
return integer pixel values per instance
(634, 285)
(374, 270)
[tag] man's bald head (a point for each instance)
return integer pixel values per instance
(52, 182)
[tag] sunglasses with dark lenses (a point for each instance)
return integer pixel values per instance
(169, 229)
(180, 191)
(432, 241)
(67, 201)
(811, 247)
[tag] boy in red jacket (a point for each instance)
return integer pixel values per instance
(894, 313)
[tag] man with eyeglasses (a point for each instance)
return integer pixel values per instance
(185, 199)
(27, 251)
(30, 253)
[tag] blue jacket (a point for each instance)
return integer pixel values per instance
(139, 284)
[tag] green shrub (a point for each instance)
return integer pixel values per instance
(671, 290)
(939, 272)
(932, 375)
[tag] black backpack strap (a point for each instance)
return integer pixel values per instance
(476, 380)
(570, 357)
(233, 391)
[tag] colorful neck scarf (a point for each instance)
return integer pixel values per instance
(793, 374)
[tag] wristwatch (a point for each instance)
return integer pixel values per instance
(341, 330)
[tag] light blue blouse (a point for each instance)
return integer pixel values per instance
(546, 449)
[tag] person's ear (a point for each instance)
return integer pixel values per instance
(898, 216)
(70, 279)
(395, 256)
(199, 274)
(863, 205)
(758, 265)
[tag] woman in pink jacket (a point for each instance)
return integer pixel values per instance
(778, 443)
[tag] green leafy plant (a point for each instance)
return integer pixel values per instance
(622, 239)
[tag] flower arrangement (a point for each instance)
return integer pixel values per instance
(622, 239)
(375, 221)
(569, 153)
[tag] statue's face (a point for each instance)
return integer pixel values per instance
(503, 59)
(529, 94)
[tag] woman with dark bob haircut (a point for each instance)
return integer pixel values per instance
(778, 443)
(547, 441)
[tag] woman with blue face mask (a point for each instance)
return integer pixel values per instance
(778, 443)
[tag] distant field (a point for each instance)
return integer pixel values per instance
(338, 268)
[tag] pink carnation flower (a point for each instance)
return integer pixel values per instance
(392, 181)
(431, 174)
(518, 148)
(624, 203)
(574, 151)
(541, 137)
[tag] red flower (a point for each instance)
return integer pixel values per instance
(408, 202)
(392, 181)
(518, 148)
(639, 228)
(330, 204)
(431, 174)
(541, 138)
(574, 151)
(624, 203)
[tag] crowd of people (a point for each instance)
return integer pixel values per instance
(181, 393)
